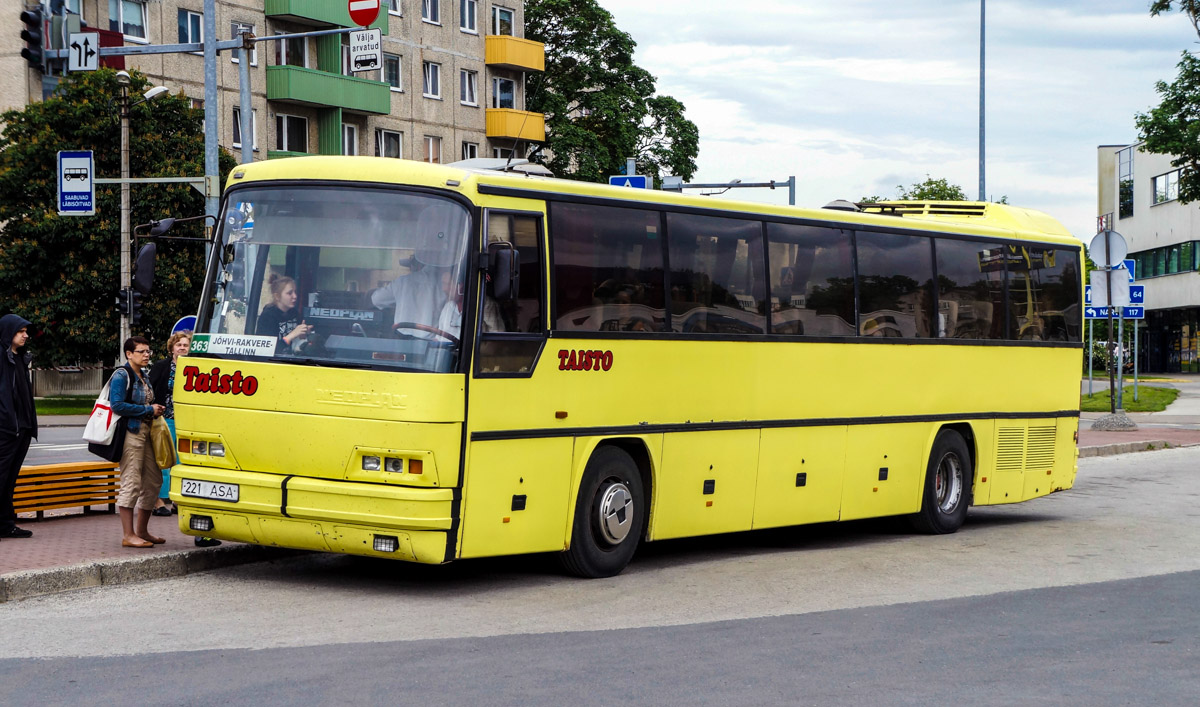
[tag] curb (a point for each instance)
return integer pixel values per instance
(32, 583)
(1145, 445)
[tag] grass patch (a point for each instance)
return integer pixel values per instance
(65, 405)
(1150, 399)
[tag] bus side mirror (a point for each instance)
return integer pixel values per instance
(504, 271)
(143, 269)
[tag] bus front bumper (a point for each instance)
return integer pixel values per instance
(305, 513)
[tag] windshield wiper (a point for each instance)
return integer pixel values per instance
(324, 363)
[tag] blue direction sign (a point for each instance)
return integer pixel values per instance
(1087, 294)
(1102, 312)
(1137, 295)
(76, 188)
(637, 181)
(1129, 265)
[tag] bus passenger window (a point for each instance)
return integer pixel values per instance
(718, 282)
(812, 280)
(970, 289)
(1043, 293)
(608, 271)
(895, 280)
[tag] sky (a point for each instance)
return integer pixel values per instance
(856, 97)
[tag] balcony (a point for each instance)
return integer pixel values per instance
(516, 124)
(514, 53)
(321, 88)
(320, 13)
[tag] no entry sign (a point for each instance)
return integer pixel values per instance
(364, 12)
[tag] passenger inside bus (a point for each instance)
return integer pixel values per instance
(450, 320)
(281, 318)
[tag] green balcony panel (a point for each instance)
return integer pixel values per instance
(321, 88)
(320, 12)
(329, 131)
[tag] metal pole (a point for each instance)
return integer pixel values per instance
(982, 15)
(126, 277)
(1121, 363)
(212, 169)
(1135, 360)
(630, 166)
(1089, 356)
(1112, 392)
(247, 108)
(792, 190)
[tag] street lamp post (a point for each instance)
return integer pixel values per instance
(126, 236)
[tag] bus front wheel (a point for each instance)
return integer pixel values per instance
(947, 486)
(610, 516)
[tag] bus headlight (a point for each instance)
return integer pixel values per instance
(370, 463)
(201, 523)
(386, 543)
(199, 447)
(216, 449)
(394, 465)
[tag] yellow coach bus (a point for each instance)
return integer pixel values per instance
(428, 363)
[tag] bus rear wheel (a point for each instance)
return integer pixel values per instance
(610, 516)
(947, 486)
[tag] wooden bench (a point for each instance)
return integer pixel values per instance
(42, 487)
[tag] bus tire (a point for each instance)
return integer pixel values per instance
(947, 486)
(610, 516)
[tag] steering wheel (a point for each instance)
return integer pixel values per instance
(426, 328)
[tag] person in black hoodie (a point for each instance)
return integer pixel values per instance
(18, 417)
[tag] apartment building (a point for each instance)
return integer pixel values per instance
(1138, 197)
(452, 85)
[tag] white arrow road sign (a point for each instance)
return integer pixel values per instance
(83, 52)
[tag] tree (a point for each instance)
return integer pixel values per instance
(929, 190)
(62, 272)
(1171, 128)
(600, 107)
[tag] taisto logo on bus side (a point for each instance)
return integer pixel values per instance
(584, 360)
(215, 382)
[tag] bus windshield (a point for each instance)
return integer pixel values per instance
(325, 275)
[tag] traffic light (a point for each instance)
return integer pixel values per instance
(122, 305)
(34, 40)
(135, 308)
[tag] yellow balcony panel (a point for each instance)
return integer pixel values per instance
(514, 53)
(516, 124)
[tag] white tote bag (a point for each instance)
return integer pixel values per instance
(102, 424)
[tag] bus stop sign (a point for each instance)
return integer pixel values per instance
(637, 181)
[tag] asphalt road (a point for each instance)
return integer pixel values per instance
(59, 444)
(1088, 597)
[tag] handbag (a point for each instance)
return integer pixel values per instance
(115, 428)
(102, 423)
(164, 446)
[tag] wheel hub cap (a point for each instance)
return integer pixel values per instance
(948, 484)
(616, 513)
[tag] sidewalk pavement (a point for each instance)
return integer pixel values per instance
(77, 551)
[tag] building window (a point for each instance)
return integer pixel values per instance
(1166, 187)
(191, 27)
(1125, 182)
(197, 103)
(432, 88)
(346, 69)
(468, 82)
(73, 6)
(391, 71)
(468, 9)
(237, 128)
(393, 6)
(433, 149)
(504, 93)
(290, 52)
(430, 12)
(349, 139)
(127, 17)
(388, 143)
(470, 150)
(235, 29)
(291, 133)
(502, 20)
(503, 153)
